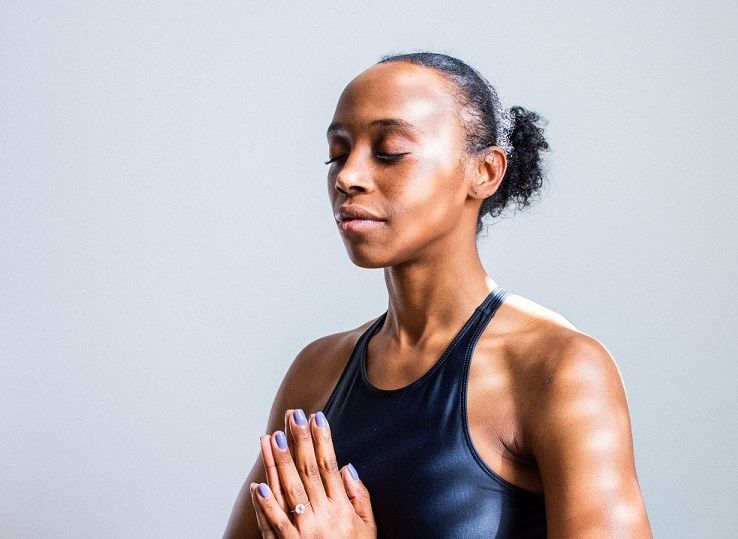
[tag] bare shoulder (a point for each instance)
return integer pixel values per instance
(576, 424)
(545, 348)
(552, 365)
(314, 372)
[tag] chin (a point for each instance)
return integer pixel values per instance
(369, 258)
(370, 263)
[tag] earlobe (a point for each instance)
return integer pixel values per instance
(481, 184)
(480, 189)
(491, 171)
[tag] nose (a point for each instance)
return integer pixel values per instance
(354, 175)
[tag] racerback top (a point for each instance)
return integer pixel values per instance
(412, 449)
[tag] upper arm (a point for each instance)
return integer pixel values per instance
(580, 434)
(301, 387)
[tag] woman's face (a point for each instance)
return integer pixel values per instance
(397, 151)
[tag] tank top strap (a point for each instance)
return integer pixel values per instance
(459, 351)
(351, 374)
(448, 370)
(484, 313)
(445, 375)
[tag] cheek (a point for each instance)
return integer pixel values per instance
(432, 192)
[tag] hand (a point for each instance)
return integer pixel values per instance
(339, 502)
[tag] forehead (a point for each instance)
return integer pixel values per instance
(397, 90)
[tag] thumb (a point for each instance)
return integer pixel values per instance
(357, 493)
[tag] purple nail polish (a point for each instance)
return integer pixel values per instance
(321, 420)
(299, 416)
(263, 490)
(281, 440)
(352, 471)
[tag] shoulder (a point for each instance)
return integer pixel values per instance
(547, 353)
(575, 390)
(553, 368)
(314, 372)
(576, 424)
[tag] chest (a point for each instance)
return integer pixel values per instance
(414, 448)
(423, 476)
(491, 405)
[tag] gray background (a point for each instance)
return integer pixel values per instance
(167, 245)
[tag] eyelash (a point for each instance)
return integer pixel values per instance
(381, 156)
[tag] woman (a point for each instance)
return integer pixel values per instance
(463, 410)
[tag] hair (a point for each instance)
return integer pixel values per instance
(517, 131)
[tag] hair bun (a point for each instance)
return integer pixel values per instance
(525, 168)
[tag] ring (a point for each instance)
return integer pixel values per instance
(300, 508)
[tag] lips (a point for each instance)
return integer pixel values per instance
(353, 219)
(347, 213)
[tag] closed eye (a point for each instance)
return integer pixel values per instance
(381, 156)
(391, 156)
(334, 159)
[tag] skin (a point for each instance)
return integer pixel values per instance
(339, 503)
(546, 404)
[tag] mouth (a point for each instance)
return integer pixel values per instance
(353, 218)
(360, 225)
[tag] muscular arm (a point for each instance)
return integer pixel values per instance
(580, 434)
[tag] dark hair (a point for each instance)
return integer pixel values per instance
(518, 131)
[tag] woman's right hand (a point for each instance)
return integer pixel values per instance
(339, 504)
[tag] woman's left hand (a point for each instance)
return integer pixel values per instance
(331, 502)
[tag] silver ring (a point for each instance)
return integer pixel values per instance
(300, 508)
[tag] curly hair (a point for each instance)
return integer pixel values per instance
(517, 131)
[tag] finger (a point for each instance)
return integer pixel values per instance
(271, 470)
(292, 487)
(265, 527)
(304, 458)
(278, 519)
(326, 457)
(357, 493)
(288, 431)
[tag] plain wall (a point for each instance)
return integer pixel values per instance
(167, 244)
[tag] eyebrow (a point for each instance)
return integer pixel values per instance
(336, 127)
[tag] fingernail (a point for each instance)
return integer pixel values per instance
(353, 472)
(281, 440)
(299, 416)
(263, 490)
(321, 420)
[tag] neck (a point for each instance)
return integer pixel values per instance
(432, 295)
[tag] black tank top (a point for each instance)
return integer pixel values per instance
(412, 449)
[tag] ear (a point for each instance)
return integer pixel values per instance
(488, 172)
